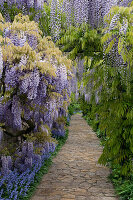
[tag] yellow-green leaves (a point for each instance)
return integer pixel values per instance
(22, 26)
(106, 37)
(120, 45)
(110, 46)
(87, 61)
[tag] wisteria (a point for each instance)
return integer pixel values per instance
(17, 183)
(16, 111)
(37, 4)
(80, 11)
(5, 165)
(30, 87)
(34, 96)
(1, 63)
(99, 9)
(67, 8)
(88, 97)
(115, 55)
(55, 19)
(37, 79)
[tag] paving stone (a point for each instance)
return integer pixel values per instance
(69, 196)
(81, 198)
(75, 173)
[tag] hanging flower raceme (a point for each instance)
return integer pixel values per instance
(118, 54)
(55, 19)
(38, 4)
(34, 69)
(1, 63)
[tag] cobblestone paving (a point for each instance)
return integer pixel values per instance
(75, 173)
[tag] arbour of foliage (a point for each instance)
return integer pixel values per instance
(104, 83)
(108, 82)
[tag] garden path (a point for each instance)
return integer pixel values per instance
(75, 173)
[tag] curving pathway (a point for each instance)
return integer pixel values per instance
(75, 173)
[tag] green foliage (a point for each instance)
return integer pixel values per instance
(73, 108)
(125, 40)
(61, 120)
(113, 115)
(85, 107)
(73, 99)
(7, 149)
(11, 11)
(44, 135)
(117, 104)
(5, 152)
(123, 186)
(44, 21)
(81, 41)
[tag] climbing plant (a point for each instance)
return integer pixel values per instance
(112, 83)
(107, 81)
(24, 71)
(36, 77)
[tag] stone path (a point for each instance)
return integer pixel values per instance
(75, 174)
